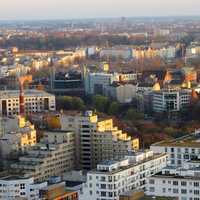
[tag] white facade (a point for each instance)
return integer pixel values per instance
(168, 100)
(116, 53)
(14, 187)
(183, 183)
(113, 178)
(179, 150)
(35, 101)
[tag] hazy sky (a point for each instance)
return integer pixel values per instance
(64, 9)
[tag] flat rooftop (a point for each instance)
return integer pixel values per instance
(15, 93)
(121, 168)
(192, 140)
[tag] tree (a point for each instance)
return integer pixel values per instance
(78, 103)
(100, 103)
(113, 108)
(132, 114)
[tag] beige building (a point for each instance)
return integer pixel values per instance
(122, 92)
(35, 101)
(53, 156)
(17, 136)
(98, 139)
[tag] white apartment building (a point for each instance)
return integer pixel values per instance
(98, 139)
(179, 150)
(35, 101)
(13, 187)
(53, 156)
(124, 53)
(182, 183)
(96, 83)
(112, 178)
(170, 100)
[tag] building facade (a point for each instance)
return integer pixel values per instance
(35, 101)
(13, 187)
(179, 150)
(170, 100)
(17, 136)
(113, 178)
(98, 139)
(53, 156)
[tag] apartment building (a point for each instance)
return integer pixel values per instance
(35, 101)
(181, 149)
(53, 156)
(97, 82)
(113, 178)
(182, 183)
(13, 187)
(17, 136)
(170, 100)
(98, 139)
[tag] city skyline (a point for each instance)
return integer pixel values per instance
(51, 9)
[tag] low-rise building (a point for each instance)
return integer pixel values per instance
(182, 183)
(180, 149)
(170, 100)
(113, 178)
(57, 191)
(35, 101)
(13, 187)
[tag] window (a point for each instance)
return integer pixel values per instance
(196, 192)
(175, 182)
(151, 181)
(152, 189)
(183, 191)
(175, 191)
(183, 183)
(196, 184)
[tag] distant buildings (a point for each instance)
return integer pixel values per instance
(35, 101)
(116, 53)
(98, 139)
(170, 100)
(101, 82)
(113, 178)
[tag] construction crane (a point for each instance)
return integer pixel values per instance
(22, 80)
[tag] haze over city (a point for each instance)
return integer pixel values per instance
(65, 9)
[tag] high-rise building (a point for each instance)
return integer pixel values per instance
(98, 139)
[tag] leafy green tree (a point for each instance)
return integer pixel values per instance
(114, 108)
(132, 114)
(100, 103)
(78, 103)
